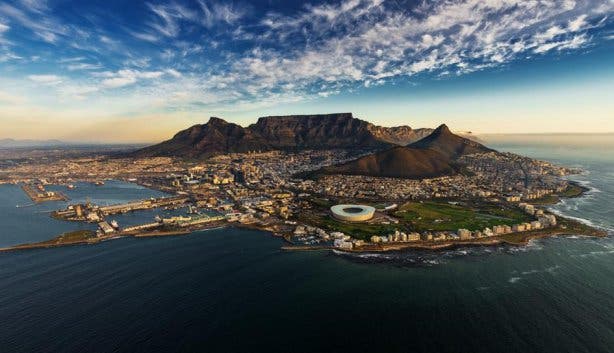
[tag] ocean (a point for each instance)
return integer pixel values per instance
(234, 290)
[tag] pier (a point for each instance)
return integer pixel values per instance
(38, 193)
(144, 205)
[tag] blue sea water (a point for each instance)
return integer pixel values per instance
(231, 290)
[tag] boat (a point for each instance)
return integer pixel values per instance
(99, 183)
(70, 186)
(114, 224)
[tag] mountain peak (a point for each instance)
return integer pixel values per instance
(217, 121)
(449, 144)
(441, 129)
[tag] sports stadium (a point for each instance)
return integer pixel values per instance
(352, 213)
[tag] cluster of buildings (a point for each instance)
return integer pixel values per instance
(502, 176)
(261, 187)
(312, 235)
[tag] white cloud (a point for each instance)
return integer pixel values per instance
(214, 13)
(46, 79)
(173, 73)
(118, 81)
(148, 37)
(42, 26)
(318, 51)
(83, 66)
(7, 56)
(127, 77)
(578, 23)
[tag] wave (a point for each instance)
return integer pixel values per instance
(414, 257)
(585, 221)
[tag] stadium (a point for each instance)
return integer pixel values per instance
(352, 213)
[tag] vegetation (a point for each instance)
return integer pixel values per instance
(573, 190)
(362, 231)
(322, 202)
(439, 216)
(72, 237)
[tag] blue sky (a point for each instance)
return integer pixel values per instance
(139, 71)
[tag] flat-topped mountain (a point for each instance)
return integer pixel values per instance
(432, 156)
(293, 132)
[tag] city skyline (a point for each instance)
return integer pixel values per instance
(107, 72)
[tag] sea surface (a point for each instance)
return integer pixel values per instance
(231, 290)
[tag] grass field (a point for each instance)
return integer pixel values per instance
(440, 216)
(358, 230)
(77, 235)
(572, 191)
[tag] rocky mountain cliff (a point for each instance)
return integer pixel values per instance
(294, 132)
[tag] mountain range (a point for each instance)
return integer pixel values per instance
(400, 151)
(12, 143)
(293, 132)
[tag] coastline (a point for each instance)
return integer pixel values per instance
(567, 226)
(90, 239)
(445, 245)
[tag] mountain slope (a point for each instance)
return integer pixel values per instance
(216, 136)
(453, 146)
(397, 162)
(432, 156)
(317, 132)
(12, 143)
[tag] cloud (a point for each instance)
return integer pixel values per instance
(173, 73)
(363, 41)
(46, 79)
(214, 13)
(168, 18)
(218, 56)
(116, 82)
(35, 5)
(43, 27)
(578, 23)
(83, 66)
(127, 77)
(148, 37)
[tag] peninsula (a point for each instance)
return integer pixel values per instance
(293, 175)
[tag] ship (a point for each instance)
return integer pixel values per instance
(99, 183)
(114, 224)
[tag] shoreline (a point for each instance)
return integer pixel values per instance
(568, 226)
(444, 245)
(89, 240)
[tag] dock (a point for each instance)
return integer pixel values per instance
(38, 193)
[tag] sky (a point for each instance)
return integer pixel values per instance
(139, 71)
